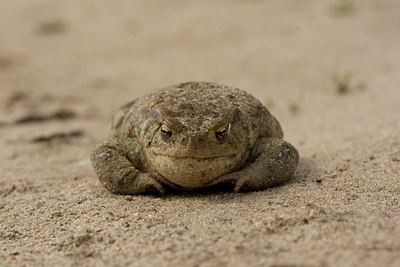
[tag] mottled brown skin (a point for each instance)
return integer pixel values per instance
(191, 136)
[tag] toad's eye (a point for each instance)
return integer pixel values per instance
(165, 131)
(221, 132)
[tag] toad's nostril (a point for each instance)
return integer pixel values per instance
(201, 140)
(184, 140)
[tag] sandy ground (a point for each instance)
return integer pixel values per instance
(66, 66)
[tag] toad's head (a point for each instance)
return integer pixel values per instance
(193, 144)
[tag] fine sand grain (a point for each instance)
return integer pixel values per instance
(328, 70)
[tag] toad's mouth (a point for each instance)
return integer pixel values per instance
(195, 157)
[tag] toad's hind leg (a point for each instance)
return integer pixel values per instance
(272, 163)
(118, 119)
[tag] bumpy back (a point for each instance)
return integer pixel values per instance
(197, 105)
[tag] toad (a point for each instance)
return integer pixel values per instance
(193, 136)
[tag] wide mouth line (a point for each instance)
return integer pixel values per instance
(192, 157)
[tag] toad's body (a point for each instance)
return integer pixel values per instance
(190, 136)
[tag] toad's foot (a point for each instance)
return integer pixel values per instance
(272, 163)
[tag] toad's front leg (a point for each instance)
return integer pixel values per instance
(272, 162)
(116, 162)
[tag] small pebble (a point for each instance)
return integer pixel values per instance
(89, 254)
(128, 197)
(395, 159)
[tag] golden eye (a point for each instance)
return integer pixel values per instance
(165, 131)
(221, 132)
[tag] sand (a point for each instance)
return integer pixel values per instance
(66, 66)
